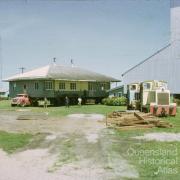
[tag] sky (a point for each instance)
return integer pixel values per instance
(106, 36)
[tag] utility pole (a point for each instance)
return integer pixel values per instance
(72, 63)
(54, 59)
(22, 69)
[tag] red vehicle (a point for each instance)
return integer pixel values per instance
(21, 100)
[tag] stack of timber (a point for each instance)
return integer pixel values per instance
(134, 120)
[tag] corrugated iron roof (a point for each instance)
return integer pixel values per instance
(59, 72)
(149, 58)
(116, 88)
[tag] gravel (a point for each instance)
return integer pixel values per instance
(86, 143)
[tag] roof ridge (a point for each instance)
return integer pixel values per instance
(54, 71)
(47, 73)
(33, 69)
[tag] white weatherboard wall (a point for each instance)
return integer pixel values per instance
(164, 64)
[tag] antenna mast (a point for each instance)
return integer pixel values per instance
(72, 63)
(54, 60)
(22, 69)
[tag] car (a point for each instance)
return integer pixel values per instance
(21, 100)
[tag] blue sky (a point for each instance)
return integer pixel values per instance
(107, 36)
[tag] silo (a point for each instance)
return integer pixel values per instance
(165, 63)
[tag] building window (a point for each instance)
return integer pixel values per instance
(90, 86)
(48, 85)
(146, 86)
(62, 86)
(36, 85)
(25, 87)
(73, 86)
(120, 94)
(107, 86)
(104, 86)
(133, 87)
(14, 86)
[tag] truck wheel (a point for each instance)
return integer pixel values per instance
(34, 103)
(23, 104)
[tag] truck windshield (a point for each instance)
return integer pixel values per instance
(133, 87)
(146, 86)
(21, 95)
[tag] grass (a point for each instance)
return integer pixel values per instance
(66, 154)
(63, 111)
(5, 104)
(135, 151)
(153, 160)
(86, 109)
(10, 142)
(140, 152)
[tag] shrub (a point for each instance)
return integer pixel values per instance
(115, 101)
(177, 101)
(104, 101)
(123, 101)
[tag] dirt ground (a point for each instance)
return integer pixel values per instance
(76, 147)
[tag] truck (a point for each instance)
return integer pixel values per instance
(151, 96)
(21, 100)
(133, 96)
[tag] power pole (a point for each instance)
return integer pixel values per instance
(54, 60)
(22, 69)
(72, 63)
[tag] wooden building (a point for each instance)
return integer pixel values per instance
(2, 93)
(56, 81)
(164, 64)
(117, 92)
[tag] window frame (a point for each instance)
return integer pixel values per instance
(90, 86)
(36, 86)
(14, 86)
(48, 85)
(73, 86)
(62, 86)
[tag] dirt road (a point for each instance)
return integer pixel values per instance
(77, 147)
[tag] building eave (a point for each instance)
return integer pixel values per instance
(36, 79)
(118, 87)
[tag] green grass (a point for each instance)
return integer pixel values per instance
(123, 143)
(147, 158)
(10, 142)
(63, 111)
(5, 104)
(148, 170)
(86, 109)
(66, 154)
